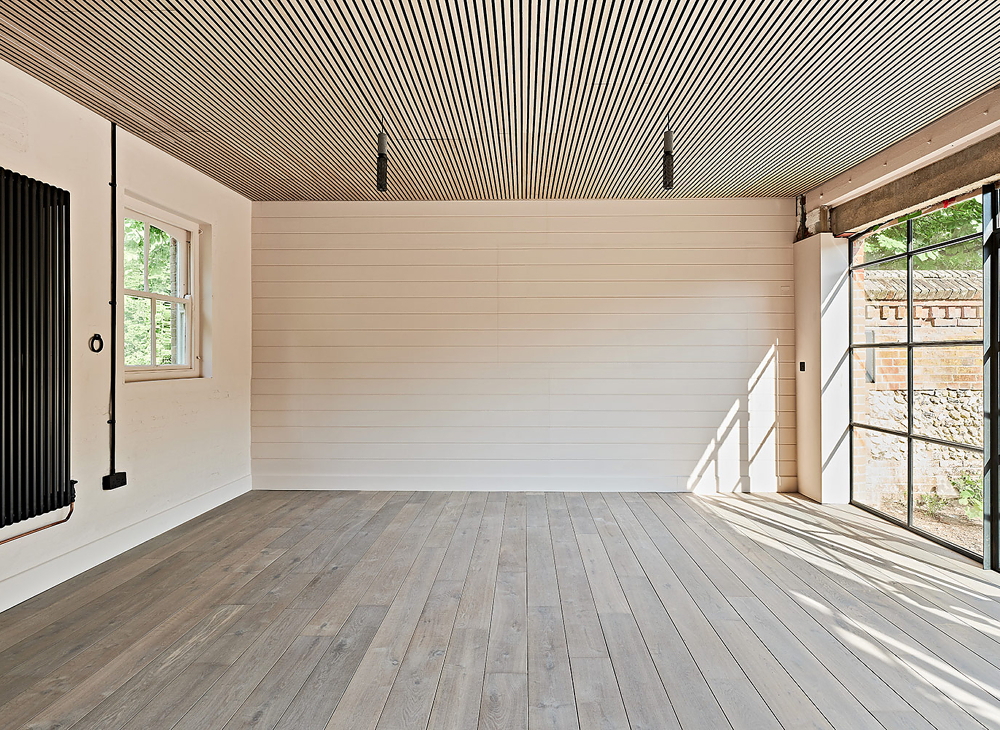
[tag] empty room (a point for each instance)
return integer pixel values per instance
(467, 364)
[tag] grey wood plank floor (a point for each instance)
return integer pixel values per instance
(314, 610)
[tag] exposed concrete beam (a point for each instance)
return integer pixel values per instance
(964, 127)
(967, 169)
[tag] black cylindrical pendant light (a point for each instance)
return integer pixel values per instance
(668, 159)
(383, 160)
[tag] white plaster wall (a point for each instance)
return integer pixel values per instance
(184, 444)
(574, 345)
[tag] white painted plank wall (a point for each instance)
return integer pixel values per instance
(643, 345)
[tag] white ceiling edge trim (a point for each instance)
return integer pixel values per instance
(967, 125)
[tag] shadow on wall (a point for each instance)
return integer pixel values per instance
(744, 454)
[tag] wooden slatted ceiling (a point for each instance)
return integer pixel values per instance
(281, 99)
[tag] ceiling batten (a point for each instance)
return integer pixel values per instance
(531, 99)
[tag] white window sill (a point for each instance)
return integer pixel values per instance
(144, 376)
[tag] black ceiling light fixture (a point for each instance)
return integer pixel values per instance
(383, 159)
(668, 158)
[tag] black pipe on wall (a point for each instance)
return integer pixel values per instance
(114, 479)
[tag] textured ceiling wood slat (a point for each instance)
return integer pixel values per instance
(671, 104)
(149, 126)
(505, 99)
(801, 146)
(764, 143)
(744, 74)
(389, 65)
(156, 122)
(443, 89)
(240, 76)
(318, 77)
(405, 37)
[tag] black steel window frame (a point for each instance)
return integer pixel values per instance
(991, 377)
(991, 483)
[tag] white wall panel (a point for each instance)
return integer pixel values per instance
(524, 345)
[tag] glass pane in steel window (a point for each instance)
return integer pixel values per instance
(878, 303)
(880, 471)
(878, 380)
(948, 494)
(944, 224)
(879, 244)
(948, 293)
(948, 393)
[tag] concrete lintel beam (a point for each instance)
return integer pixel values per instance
(965, 170)
(961, 128)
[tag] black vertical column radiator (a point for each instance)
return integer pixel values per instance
(35, 340)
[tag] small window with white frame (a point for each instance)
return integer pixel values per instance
(160, 297)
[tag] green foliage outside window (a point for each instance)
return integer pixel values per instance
(169, 334)
(944, 224)
(162, 263)
(932, 503)
(135, 232)
(162, 275)
(138, 345)
(970, 494)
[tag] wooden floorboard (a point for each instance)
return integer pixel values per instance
(557, 611)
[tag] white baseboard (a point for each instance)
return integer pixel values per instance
(40, 578)
(294, 482)
(468, 484)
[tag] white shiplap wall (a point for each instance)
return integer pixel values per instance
(643, 345)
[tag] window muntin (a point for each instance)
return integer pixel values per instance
(160, 298)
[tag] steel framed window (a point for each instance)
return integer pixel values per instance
(870, 347)
(991, 377)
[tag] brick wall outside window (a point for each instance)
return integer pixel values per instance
(948, 385)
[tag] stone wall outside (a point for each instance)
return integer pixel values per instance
(948, 387)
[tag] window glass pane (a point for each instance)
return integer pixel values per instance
(948, 494)
(138, 345)
(944, 224)
(171, 333)
(879, 244)
(879, 464)
(134, 245)
(163, 263)
(879, 381)
(948, 293)
(948, 393)
(878, 303)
